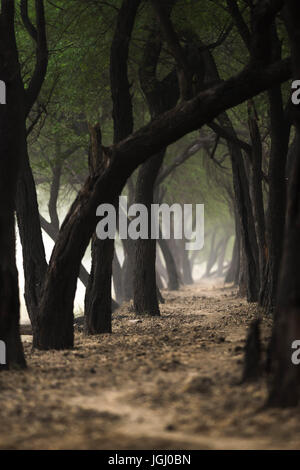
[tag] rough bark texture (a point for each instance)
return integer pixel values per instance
(34, 258)
(145, 290)
(256, 191)
(12, 139)
(280, 130)
(98, 301)
(285, 384)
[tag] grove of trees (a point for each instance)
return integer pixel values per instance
(161, 101)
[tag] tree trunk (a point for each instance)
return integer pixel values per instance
(186, 265)
(98, 301)
(231, 275)
(117, 279)
(280, 130)
(173, 280)
(127, 269)
(222, 256)
(256, 192)
(212, 256)
(246, 219)
(51, 232)
(242, 197)
(34, 258)
(145, 292)
(12, 142)
(160, 96)
(103, 250)
(285, 385)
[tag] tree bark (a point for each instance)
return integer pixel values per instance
(34, 258)
(12, 141)
(285, 384)
(145, 290)
(275, 217)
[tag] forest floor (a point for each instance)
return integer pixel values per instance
(171, 382)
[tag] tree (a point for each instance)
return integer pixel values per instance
(98, 294)
(285, 383)
(12, 138)
(161, 96)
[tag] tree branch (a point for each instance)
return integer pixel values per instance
(225, 134)
(38, 34)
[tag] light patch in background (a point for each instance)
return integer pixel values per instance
(48, 243)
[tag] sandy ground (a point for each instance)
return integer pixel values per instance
(155, 383)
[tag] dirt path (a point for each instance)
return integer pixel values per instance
(163, 383)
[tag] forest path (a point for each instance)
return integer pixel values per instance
(158, 383)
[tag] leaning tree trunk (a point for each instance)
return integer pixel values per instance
(50, 230)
